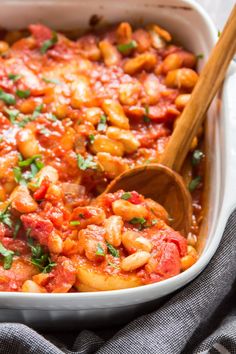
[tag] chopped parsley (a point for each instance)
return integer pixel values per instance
(12, 114)
(197, 157)
(100, 250)
(16, 228)
(34, 162)
(1, 139)
(154, 221)
(84, 164)
(22, 123)
(126, 196)
(113, 265)
(39, 258)
(52, 117)
(7, 257)
(37, 111)
(194, 183)
(74, 222)
(49, 43)
(37, 182)
(5, 217)
(126, 47)
(52, 81)
(8, 98)
(140, 222)
(102, 124)
(28, 232)
(23, 93)
(14, 77)
(146, 119)
(35, 158)
(18, 176)
(45, 131)
(91, 138)
(219, 33)
(112, 250)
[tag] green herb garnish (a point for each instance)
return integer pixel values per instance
(126, 47)
(194, 183)
(13, 114)
(197, 157)
(52, 117)
(8, 98)
(16, 228)
(113, 265)
(45, 131)
(22, 123)
(34, 162)
(126, 196)
(74, 222)
(14, 77)
(19, 177)
(5, 217)
(91, 138)
(138, 221)
(23, 93)
(102, 124)
(39, 258)
(100, 250)
(37, 182)
(52, 81)
(7, 257)
(84, 164)
(146, 119)
(154, 222)
(28, 232)
(34, 158)
(1, 139)
(113, 251)
(49, 43)
(37, 111)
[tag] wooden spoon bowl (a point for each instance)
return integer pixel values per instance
(162, 185)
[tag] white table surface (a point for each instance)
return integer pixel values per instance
(218, 10)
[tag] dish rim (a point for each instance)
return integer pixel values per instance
(168, 285)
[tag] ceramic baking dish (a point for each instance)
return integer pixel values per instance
(191, 25)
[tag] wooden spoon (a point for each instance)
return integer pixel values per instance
(159, 181)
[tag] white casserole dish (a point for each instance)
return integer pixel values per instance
(191, 25)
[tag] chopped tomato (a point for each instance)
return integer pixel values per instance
(39, 227)
(41, 192)
(41, 33)
(62, 276)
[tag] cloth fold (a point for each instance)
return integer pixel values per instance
(199, 319)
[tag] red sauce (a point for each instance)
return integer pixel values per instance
(74, 115)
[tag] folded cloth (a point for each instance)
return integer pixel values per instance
(199, 319)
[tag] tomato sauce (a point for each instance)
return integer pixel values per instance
(73, 116)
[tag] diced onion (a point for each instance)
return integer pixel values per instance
(73, 188)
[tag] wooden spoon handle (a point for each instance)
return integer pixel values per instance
(205, 90)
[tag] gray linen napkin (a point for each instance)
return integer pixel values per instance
(199, 319)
